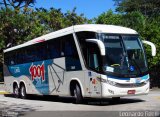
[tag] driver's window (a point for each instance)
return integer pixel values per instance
(93, 61)
(93, 56)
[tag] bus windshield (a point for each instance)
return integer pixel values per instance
(124, 55)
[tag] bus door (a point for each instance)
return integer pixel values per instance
(94, 63)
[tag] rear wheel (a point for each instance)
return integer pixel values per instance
(23, 93)
(16, 91)
(77, 94)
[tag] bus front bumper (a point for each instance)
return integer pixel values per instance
(113, 91)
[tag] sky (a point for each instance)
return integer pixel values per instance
(90, 8)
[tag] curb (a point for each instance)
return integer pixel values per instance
(3, 92)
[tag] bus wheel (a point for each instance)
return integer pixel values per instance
(16, 91)
(77, 94)
(23, 93)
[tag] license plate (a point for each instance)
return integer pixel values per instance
(131, 91)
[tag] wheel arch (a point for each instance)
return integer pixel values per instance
(15, 82)
(73, 82)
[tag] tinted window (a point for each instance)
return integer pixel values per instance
(70, 52)
(55, 48)
(86, 35)
(82, 36)
(41, 51)
(27, 54)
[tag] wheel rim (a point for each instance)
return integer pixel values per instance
(22, 92)
(16, 91)
(75, 93)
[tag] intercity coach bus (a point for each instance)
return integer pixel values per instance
(91, 60)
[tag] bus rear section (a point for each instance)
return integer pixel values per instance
(52, 67)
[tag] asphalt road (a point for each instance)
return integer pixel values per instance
(46, 106)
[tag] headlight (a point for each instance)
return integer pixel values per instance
(111, 82)
(103, 80)
(108, 81)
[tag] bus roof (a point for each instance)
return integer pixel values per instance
(111, 29)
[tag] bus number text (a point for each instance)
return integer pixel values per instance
(37, 71)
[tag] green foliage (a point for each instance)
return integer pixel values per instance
(152, 33)
(109, 18)
(19, 26)
(134, 20)
(148, 8)
(17, 4)
(71, 18)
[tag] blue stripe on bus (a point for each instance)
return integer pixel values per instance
(120, 78)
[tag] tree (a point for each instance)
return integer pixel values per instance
(109, 18)
(146, 7)
(53, 19)
(134, 20)
(18, 27)
(13, 20)
(72, 18)
(17, 4)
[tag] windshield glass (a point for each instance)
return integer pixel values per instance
(124, 55)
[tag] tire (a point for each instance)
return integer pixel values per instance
(23, 93)
(77, 94)
(116, 99)
(16, 91)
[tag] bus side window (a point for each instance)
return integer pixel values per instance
(13, 58)
(54, 49)
(31, 54)
(7, 58)
(25, 60)
(93, 61)
(40, 52)
(82, 36)
(71, 55)
(67, 46)
(68, 50)
(19, 56)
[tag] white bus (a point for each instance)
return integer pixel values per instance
(96, 61)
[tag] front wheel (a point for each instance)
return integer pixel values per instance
(78, 94)
(23, 93)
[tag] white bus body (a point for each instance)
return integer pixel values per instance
(96, 61)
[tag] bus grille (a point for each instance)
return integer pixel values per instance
(133, 85)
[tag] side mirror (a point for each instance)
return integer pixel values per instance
(153, 47)
(100, 45)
